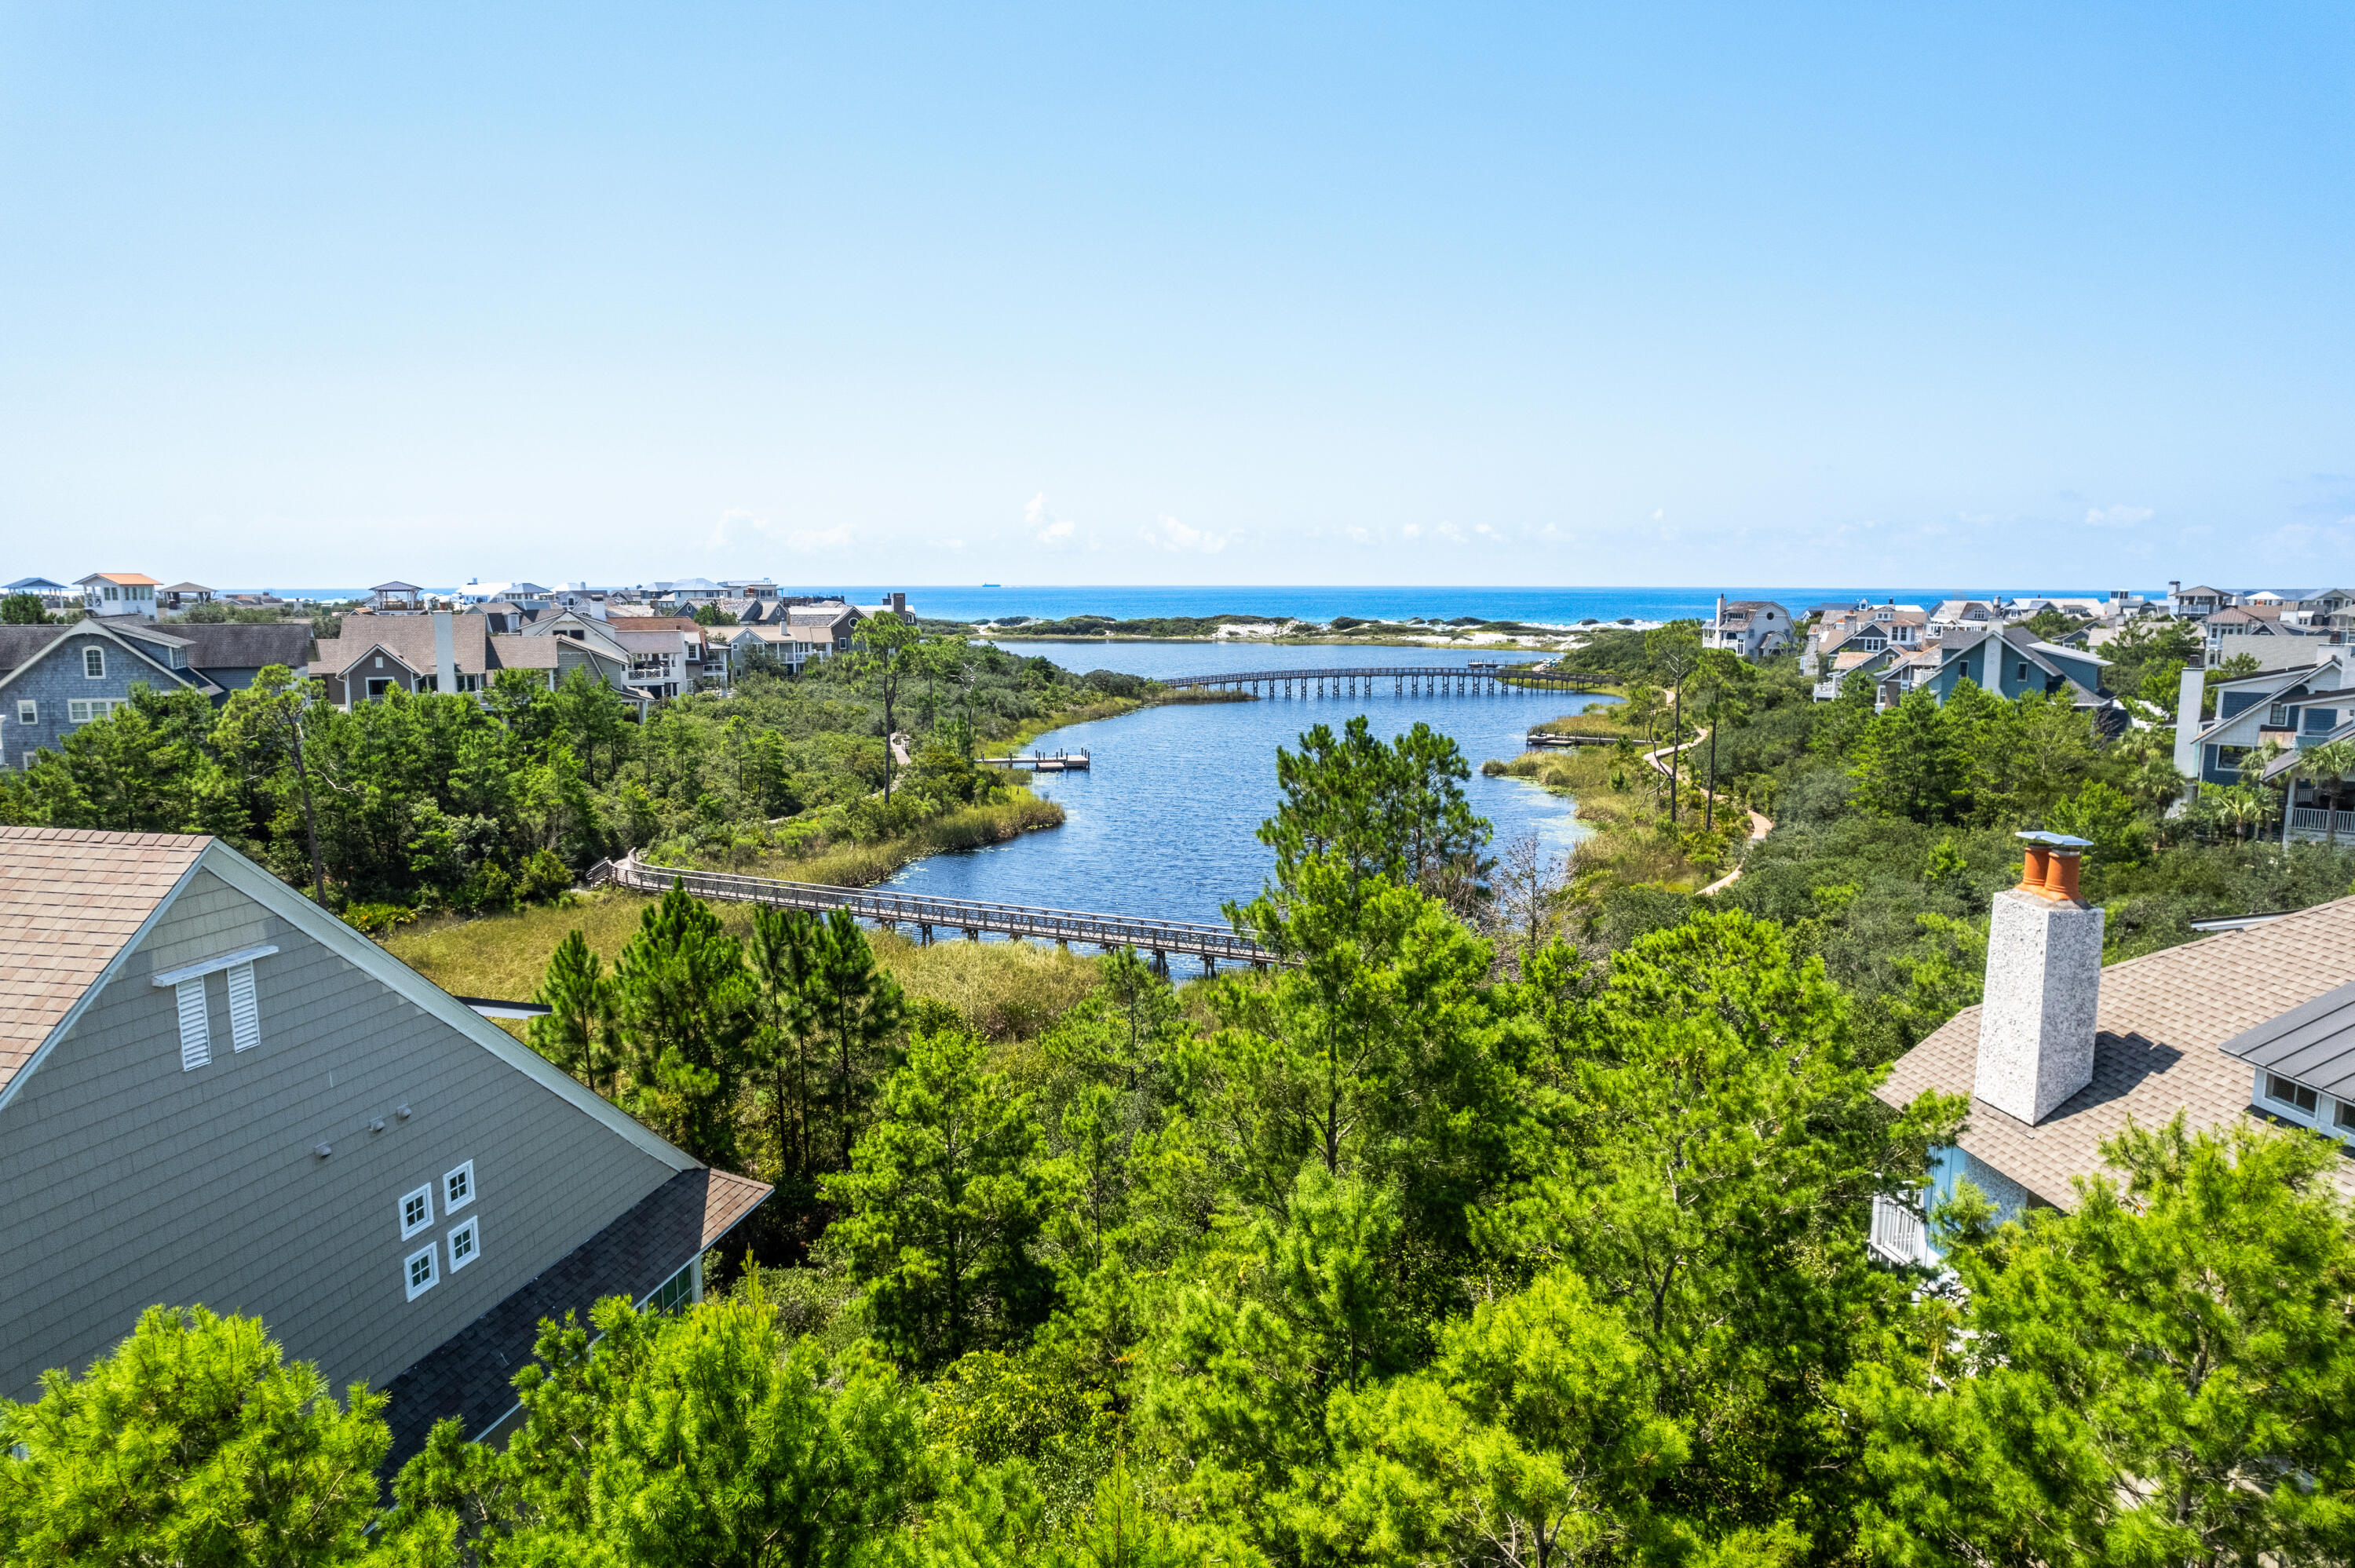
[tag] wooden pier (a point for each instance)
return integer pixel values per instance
(1038, 762)
(1405, 680)
(1546, 740)
(927, 916)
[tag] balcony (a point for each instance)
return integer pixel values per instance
(1899, 1234)
(2312, 824)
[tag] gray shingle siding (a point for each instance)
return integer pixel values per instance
(133, 1182)
(53, 679)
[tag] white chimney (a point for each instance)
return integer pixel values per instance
(2190, 692)
(446, 653)
(2043, 986)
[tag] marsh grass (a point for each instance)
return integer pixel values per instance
(1007, 991)
(844, 865)
(1631, 845)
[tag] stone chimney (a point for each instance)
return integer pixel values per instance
(2043, 985)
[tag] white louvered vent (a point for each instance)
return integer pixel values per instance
(196, 1035)
(244, 1017)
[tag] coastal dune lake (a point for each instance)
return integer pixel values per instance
(1164, 821)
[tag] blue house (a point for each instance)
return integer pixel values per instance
(2300, 707)
(2012, 661)
(55, 679)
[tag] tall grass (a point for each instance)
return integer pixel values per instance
(1007, 991)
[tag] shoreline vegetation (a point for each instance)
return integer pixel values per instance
(1462, 631)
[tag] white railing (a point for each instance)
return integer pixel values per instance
(2316, 822)
(1899, 1233)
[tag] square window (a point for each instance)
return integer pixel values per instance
(458, 1188)
(465, 1244)
(2283, 1091)
(93, 663)
(416, 1212)
(2344, 1117)
(418, 1273)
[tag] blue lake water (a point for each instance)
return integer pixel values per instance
(1162, 824)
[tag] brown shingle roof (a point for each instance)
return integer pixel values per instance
(727, 1199)
(2162, 1018)
(69, 900)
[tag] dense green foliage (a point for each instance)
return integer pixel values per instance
(1893, 829)
(1574, 1275)
(445, 802)
(1391, 1256)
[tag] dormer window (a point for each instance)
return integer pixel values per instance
(2284, 1092)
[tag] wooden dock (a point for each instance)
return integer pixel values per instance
(1546, 740)
(1038, 762)
(927, 916)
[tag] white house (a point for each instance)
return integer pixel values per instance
(1750, 626)
(119, 593)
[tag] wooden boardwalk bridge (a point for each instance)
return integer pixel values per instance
(1405, 680)
(927, 915)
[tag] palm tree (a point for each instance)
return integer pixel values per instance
(2334, 761)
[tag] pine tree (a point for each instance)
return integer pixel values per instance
(194, 1443)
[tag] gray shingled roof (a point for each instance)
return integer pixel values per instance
(472, 1374)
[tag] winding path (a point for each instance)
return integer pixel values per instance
(1759, 826)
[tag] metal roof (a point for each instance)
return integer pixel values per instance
(2313, 1043)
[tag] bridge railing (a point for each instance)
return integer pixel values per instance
(1511, 674)
(891, 908)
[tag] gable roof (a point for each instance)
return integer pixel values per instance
(50, 964)
(70, 903)
(2161, 1028)
(129, 580)
(33, 585)
(21, 646)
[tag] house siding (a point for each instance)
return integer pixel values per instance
(54, 679)
(133, 1182)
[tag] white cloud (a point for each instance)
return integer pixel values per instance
(1175, 536)
(818, 541)
(1357, 536)
(1045, 528)
(1449, 532)
(736, 525)
(1412, 530)
(2116, 516)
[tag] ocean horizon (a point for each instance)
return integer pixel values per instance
(1540, 607)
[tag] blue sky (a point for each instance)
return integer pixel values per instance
(320, 294)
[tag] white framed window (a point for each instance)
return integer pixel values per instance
(244, 1016)
(380, 660)
(93, 663)
(465, 1244)
(418, 1273)
(2285, 1091)
(29, 711)
(196, 1033)
(416, 1212)
(458, 1188)
(2342, 1119)
(85, 710)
